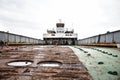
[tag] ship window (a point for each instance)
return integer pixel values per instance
(67, 34)
(53, 34)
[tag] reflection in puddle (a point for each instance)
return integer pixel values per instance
(19, 63)
(49, 64)
(37, 48)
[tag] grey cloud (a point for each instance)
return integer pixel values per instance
(4, 18)
(12, 4)
(111, 9)
(9, 21)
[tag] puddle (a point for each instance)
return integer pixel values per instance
(19, 63)
(41, 54)
(50, 63)
(37, 48)
(14, 56)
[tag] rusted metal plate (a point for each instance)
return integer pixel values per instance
(70, 67)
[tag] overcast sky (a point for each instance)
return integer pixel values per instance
(33, 17)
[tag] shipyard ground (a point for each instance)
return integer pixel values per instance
(59, 63)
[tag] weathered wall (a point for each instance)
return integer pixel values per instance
(107, 38)
(18, 39)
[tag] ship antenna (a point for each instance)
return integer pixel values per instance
(60, 20)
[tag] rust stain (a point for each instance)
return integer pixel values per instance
(70, 69)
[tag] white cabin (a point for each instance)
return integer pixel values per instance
(60, 36)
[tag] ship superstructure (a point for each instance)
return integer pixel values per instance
(60, 36)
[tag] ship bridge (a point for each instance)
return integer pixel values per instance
(60, 36)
